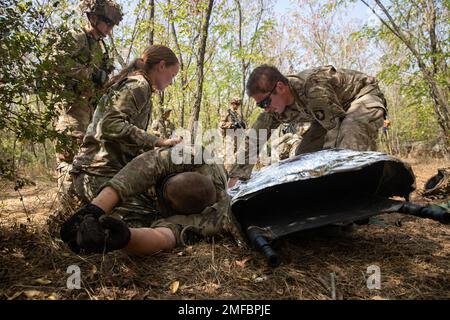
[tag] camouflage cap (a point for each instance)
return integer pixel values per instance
(236, 100)
(107, 8)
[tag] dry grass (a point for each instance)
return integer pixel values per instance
(413, 259)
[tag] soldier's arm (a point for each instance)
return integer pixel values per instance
(225, 122)
(70, 60)
(264, 121)
(145, 171)
(116, 123)
(323, 102)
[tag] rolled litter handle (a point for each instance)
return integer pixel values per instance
(433, 212)
(259, 242)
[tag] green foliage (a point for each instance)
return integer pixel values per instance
(27, 109)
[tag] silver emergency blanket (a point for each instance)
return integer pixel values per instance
(320, 188)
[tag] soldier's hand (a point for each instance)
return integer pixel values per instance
(69, 229)
(102, 235)
(232, 181)
(168, 142)
(99, 77)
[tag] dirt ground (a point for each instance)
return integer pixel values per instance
(413, 258)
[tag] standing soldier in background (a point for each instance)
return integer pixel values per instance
(163, 127)
(232, 120)
(85, 65)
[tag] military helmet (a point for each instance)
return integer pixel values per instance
(106, 8)
(236, 100)
(439, 184)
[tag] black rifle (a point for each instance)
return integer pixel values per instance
(235, 122)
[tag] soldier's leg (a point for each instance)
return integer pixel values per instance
(74, 118)
(359, 129)
(137, 211)
(312, 140)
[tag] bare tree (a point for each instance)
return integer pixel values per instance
(432, 70)
(195, 112)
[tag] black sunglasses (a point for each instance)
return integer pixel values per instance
(107, 20)
(264, 103)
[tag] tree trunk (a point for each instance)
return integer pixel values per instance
(183, 70)
(195, 112)
(441, 106)
(151, 20)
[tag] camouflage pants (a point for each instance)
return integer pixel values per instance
(138, 212)
(74, 118)
(357, 131)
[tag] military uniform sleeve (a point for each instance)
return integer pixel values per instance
(145, 171)
(225, 122)
(323, 102)
(265, 120)
(116, 123)
(71, 56)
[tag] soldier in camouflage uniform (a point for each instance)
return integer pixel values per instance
(345, 108)
(84, 62)
(148, 176)
(233, 113)
(163, 127)
(230, 121)
(117, 133)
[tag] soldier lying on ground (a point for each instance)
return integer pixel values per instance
(184, 201)
(345, 108)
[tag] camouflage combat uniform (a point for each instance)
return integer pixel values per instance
(116, 135)
(226, 120)
(141, 179)
(345, 108)
(78, 59)
(163, 128)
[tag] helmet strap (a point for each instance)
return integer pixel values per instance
(95, 26)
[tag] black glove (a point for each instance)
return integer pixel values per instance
(99, 77)
(102, 235)
(69, 229)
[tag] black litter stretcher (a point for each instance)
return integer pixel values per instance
(323, 188)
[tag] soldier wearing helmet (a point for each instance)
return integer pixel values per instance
(84, 63)
(232, 118)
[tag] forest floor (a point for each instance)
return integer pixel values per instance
(413, 259)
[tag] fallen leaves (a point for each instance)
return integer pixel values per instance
(41, 281)
(174, 286)
(241, 263)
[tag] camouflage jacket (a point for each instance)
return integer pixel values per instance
(77, 58)
(321, 95)
(163, 128)
(146, 172)
(117, 133)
